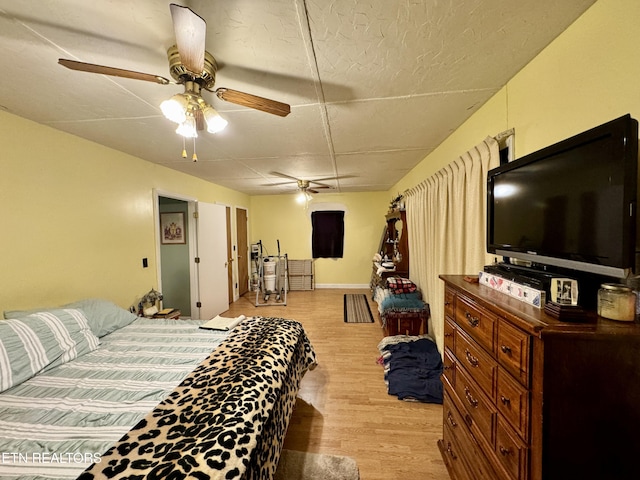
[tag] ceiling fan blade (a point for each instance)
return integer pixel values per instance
(311, 191)
(115, 72)
(284, 175)
(279, 184)
(331, 178)
(190, 31)
(253, 101)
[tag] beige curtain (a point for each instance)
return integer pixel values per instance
(446, 217)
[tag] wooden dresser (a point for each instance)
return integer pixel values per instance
(529, 397)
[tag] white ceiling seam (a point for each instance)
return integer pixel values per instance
(305, 30)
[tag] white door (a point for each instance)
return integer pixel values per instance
(213, 296)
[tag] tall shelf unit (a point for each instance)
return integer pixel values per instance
(395, 246)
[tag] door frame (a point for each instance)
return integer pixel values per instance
(245, 255)
(233, 260)
(191, 228)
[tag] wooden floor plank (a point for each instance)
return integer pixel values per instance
(343, 407)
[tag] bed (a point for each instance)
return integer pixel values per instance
(92, 391)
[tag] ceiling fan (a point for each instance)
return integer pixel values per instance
(195, 68)
(310, 186)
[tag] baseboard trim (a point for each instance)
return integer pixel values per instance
(342, 285)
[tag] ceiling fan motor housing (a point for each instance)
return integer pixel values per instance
(206, 79)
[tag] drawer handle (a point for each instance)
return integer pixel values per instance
(448, 334)
(505, 451)
(505, 400)
(468, 419)
(506, 349)
(472, 401)
(473, 321)
(451, 420)
(450, 451)
(473, 361)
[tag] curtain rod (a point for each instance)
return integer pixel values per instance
(502, 135)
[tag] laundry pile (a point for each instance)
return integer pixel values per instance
(412, 367)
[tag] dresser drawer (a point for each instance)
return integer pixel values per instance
(479, 412)
(449, 339)
(481, 367)
(514, 349)
(476, 321)
(513, 400)
(449, 368)
(468, 447)
(452, 455)
(511, 452)
(449, 297)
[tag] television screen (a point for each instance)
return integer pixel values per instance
(572, 204)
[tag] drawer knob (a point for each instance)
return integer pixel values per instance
(505, 451)
(451, 420)
(473, 321)
(472, 401)
(505, 400)
(448, 334)
(473, 361)
(505, 349)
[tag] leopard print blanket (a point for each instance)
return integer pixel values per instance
(227, 419)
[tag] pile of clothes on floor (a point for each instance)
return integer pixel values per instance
(412, 367)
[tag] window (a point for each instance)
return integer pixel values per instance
(327, 237)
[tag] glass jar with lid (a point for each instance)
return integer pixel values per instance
(616, 302)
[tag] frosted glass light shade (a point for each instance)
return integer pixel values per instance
(215, 123)
(303, 197)
(188, 128)
(175, 109)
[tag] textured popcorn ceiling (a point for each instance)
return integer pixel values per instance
(374, 86)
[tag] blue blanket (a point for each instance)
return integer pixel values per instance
(414, 370)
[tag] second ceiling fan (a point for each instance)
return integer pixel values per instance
(310, 186)
(193, 67)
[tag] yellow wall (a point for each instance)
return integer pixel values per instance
(280, 217)
(77, 218)
(587, 76)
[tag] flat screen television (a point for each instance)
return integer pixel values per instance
(571, 204)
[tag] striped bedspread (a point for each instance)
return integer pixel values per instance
(60, 422)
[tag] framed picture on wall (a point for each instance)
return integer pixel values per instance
(172, 228)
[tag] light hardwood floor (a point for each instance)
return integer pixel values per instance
(343, 407)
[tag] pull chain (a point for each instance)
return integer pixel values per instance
(195, 157)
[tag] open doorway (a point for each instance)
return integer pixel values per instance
(174, 260)
(193, 264)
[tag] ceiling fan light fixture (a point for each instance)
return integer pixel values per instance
(303, 197)
(175, 109)
(188, 128)
(215, 123)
